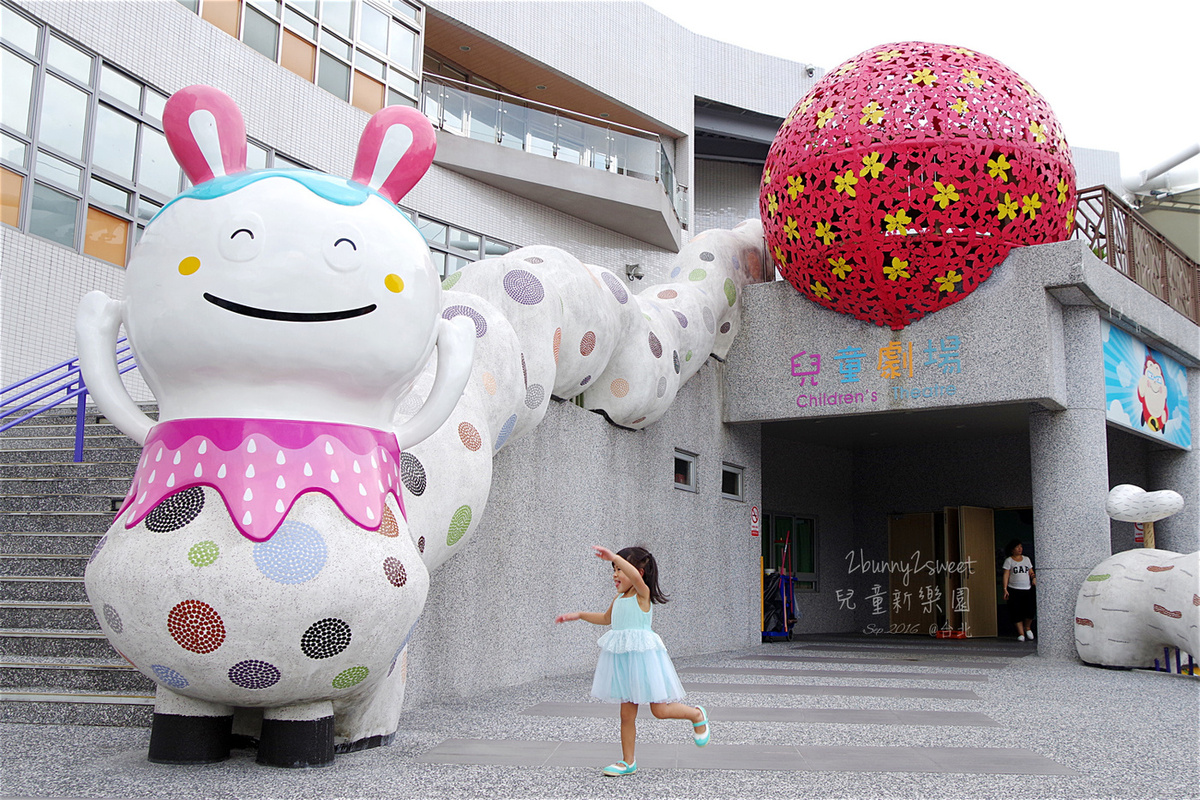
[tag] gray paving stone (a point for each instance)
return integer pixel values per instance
(836, 673)
(836, 716)
(883, 662)
(828, 690)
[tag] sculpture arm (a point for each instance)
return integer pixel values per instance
(455, 349)
(96, 326)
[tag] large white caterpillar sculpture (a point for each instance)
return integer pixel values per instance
(314, 461)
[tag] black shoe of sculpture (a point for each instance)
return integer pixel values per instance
(176, 739)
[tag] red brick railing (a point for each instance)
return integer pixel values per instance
(1118, 235)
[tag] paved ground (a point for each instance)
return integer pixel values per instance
(821, 717)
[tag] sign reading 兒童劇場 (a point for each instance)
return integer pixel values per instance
(1145, 390)
(897, 373)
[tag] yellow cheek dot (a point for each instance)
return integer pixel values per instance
(189, 265)
(394, 283)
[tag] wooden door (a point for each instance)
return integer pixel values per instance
(910, 545)
(977, 542)
(950, 618)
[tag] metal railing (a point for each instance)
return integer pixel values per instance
(1117, 234)
(509, 121)
(41, 392)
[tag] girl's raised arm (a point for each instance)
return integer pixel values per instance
(587, 616)
(631, 572)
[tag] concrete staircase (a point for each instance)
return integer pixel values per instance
(56, 666)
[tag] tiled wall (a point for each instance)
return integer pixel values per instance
(725, 193)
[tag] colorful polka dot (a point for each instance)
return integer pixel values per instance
(412, 474)
(350, 677)
(202, 554)
(587, 344)
(388, 526)
(683, 322)
(586, 380)
(326, 638)
(706, 256)
(489, 383)
(688, 357)
(459, 524)
(655, 346)
(450, 312)
(176, 511)
(451, 279)
(615, 287)
(725, 327)
(505, 431)
(639, 419)
(189, 265)
(675, 272)
(668, 294)
(523, 287)
(254, 674)
(557, 343)
(99, 546)
(421, 545)
(394, 571)
(534, 396)
(730, 291)
(697, 275)
(662, 386)
(619, 387)
(710, 322)
(469, 435)
(675, 358)
(533, 260)
(113, 619)
(196, 626)
(168, 676)
(295, 554)
(394, 283)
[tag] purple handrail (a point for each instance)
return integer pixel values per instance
(65, 378)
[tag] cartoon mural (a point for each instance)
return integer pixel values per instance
(274, 552)
(905, 176)
(1145, 389)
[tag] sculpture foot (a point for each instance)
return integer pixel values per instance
(297, 736)
(178, 739)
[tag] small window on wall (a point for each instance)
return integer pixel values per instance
(685, 471)
(731, 482)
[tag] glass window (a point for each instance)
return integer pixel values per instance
(191, 5)
(286, 163)
(120, 88)
(147, 209)
(307, 6)
(106, 237)
(299, 23)
(17, 88)
(261, 33)
(372, 66)
(52, 215)
(69, 60)
(19, 31)
(455, 263)
(109, 195)
(59, 171)
(116, 142)
(157, 170)
(434, 232)
(269, 7)
(335, 14)
(398, 80)
(256, 157)
(406, 10)
(373, 27)
(394, 98)
(465, 240)
(298, 56)
(155, 103)
(731, 482)
(10, 196)
(402, 45)
(335, 45)
(368, 93)
(333, 76)
(685, 470)
(492, 249)
(64, 117)
(12, 150)
(439, 262)
(223, 14)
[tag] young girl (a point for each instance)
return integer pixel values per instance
(634, 666)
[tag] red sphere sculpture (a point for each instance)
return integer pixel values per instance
(905, 176)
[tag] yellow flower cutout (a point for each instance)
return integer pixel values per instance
(806, 103)
(795, 186)
(971, 78)
(871, 166)
(780, 257)
(772, 204)
(844, 68)
(845, 183)
(791, 228)
(1007, 209)
(823, 117)
(924, 76)
(887, 55)
(962, 51)
(1032, 91)
(825, 232)
(840, 268)
(898, 221)
(1038, 130)
(766, 176)
(960, 105)
(998, 167)
(1070, 218)
(872, 113)
(819, 289)
(946, 194)
(1031, 204)
(898, 269)
(1062, 190)
(946, 282)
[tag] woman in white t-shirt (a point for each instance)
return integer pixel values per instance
(1019, 581)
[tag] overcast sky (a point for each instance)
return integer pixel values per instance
(1121, 76)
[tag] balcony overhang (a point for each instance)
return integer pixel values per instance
(636, 208)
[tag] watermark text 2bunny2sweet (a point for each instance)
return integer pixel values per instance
(857, 561)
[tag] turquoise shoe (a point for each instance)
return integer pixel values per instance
(702, 738)
(620, 768)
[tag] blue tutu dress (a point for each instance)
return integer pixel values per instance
(634, 666)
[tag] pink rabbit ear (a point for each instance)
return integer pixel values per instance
(206, 133)
(395, 150)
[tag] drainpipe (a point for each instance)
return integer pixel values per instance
(1154, 177)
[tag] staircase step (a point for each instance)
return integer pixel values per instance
(42, 565)
(65, 467)
(73, 675)
(63, 427)
(70, 708)
(91, 441)
(64, 484)
(63, 503)
(48, 543)
(19, 644)
(48, 589)
(42, 615)
(60, 522)
(37, 454)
